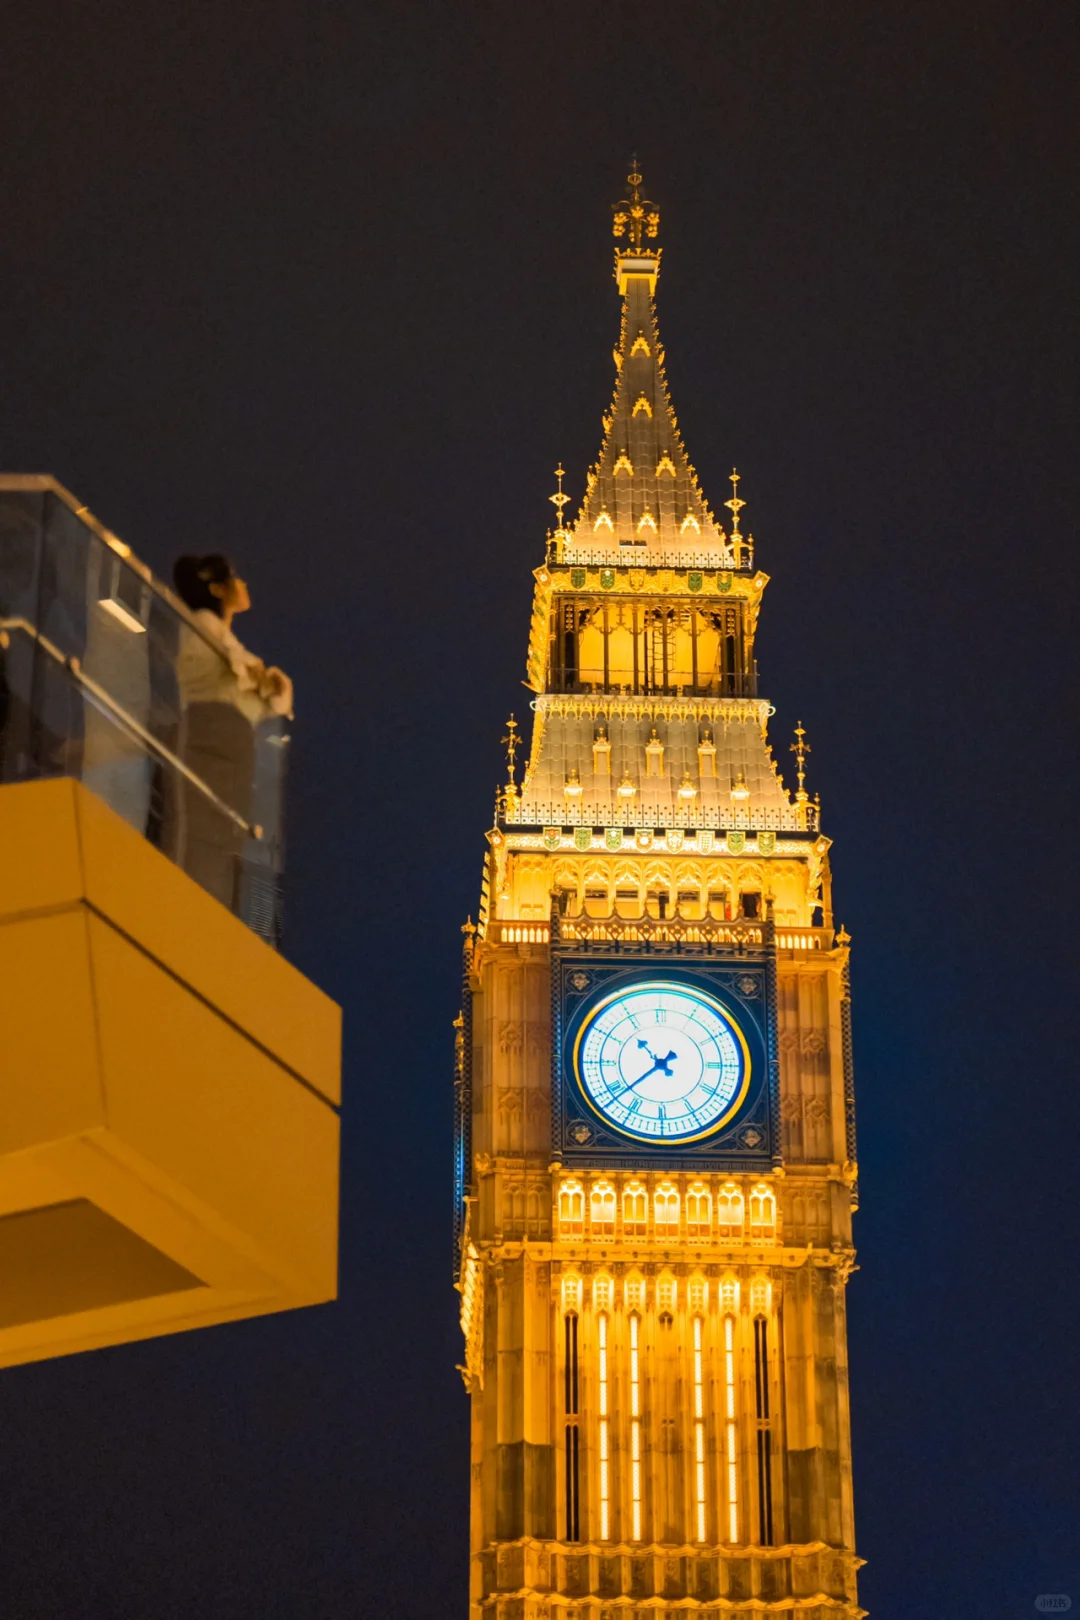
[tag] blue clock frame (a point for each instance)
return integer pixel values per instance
(745, 988)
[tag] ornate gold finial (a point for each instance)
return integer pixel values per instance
(735, 505)
(635, 217)
(800, 748)
(511, 742)
(558, 501)
(560, 498)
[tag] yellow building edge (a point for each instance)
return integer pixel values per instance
(168, 1135)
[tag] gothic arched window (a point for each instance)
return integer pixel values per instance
(602, 1209)
(571, 1207)
(603, 1293)
(697, 1294)
(698, 1210)
(571, 1293)
(762, 1211)
(666, 1210)
(729, 1211)
(635, 1209)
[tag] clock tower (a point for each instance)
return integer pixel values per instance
(655, 1157)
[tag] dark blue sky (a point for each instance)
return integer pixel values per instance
(328, 286)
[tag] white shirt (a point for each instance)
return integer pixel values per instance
(232, 675)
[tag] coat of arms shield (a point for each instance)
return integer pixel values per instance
(736, 841)
(552, 837)
(582, 837)
(613, 838)
(766, 843)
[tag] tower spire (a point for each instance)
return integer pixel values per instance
(642, 501)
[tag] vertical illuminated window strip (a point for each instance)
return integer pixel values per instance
(699, 1431)
(635, 1429)
(764, 1436)
(573, 1495)
(602, 1396)
(732, 1459)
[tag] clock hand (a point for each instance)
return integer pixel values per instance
(658, 1062)
(663, 1064)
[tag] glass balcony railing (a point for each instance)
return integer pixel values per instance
(103, 677)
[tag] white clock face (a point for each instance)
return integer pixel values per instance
(662, 1062)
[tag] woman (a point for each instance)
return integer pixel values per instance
(225, 692)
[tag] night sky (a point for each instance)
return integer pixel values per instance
(328, 286)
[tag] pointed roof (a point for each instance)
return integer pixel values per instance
(642, 499)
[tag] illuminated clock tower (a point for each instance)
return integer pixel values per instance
(655, 1154)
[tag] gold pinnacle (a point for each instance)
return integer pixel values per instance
(559, 499)
(800, 748)
(511, 742)
(735, 505)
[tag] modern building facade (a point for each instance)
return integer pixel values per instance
(656, 1166)
(169, 1083)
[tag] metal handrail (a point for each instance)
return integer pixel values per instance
(45, 484)
(101, 698)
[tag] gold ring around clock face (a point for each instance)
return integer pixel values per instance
(662, 1061)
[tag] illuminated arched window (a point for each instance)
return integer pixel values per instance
(602, 1209)
(666, 1295)
(729, 1295)
(698, 1210)
(729, 1211)
(635, 1293)
(571, 1207)
(571, 1293)
(762, 1211)
(635, 1209)
(603, 1293)
(760, 1296)
(666, 1210)
(697, 1294)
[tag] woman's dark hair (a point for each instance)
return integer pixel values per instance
(193, 577)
